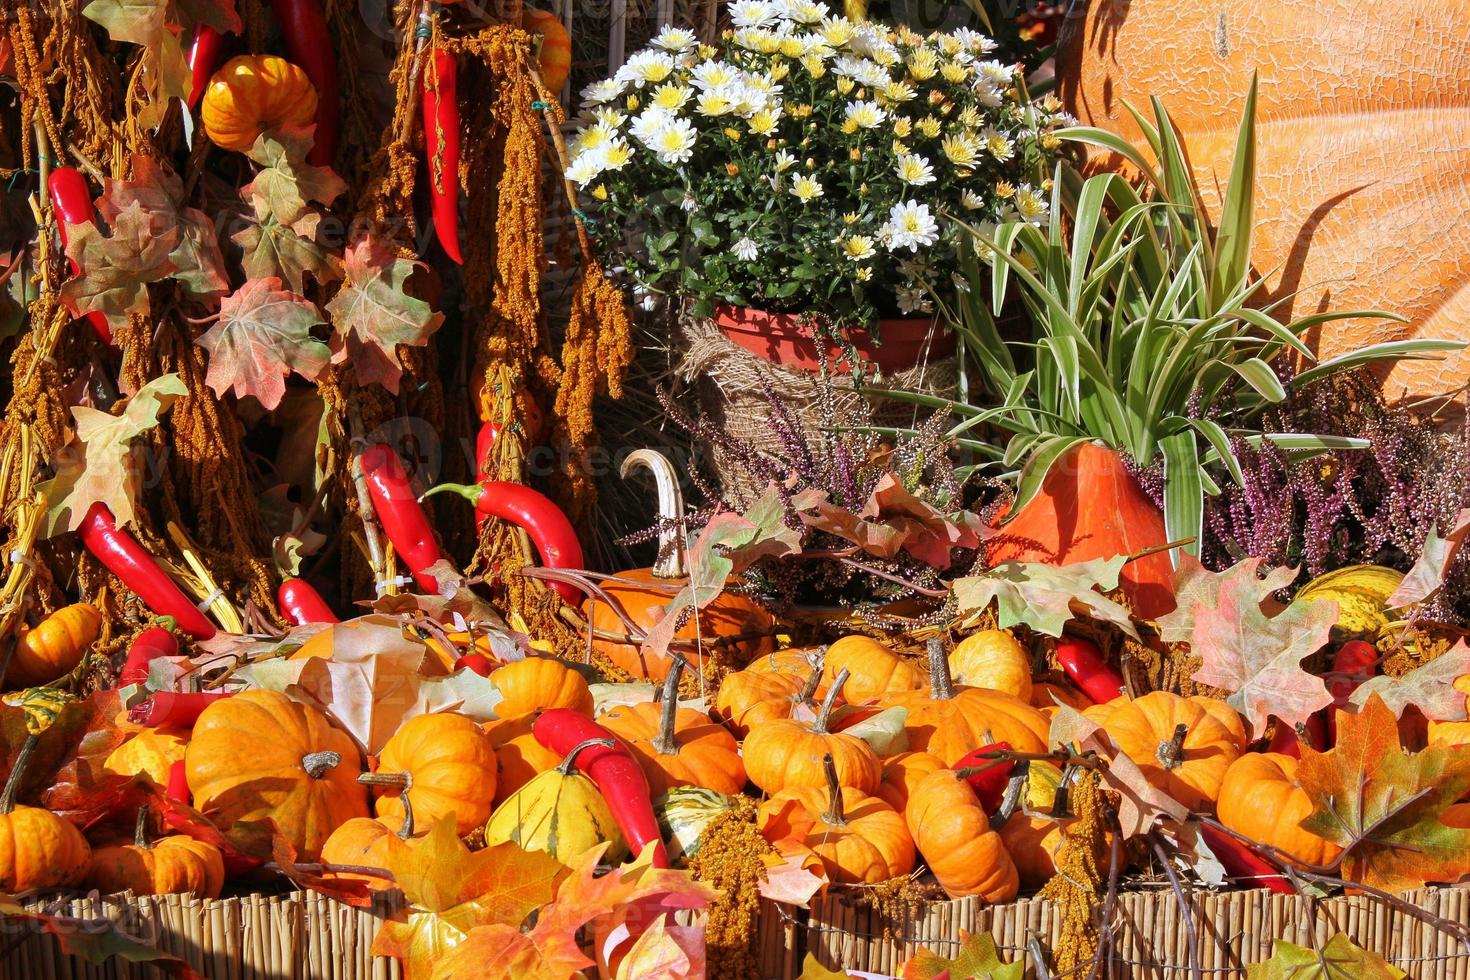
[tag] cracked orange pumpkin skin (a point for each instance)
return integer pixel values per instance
(1213, 737)
(258, 754)
(1343, 212)
(169, 866)
(1260, 799)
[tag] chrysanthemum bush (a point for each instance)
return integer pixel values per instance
(808, 163)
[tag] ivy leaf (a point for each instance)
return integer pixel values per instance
(276, 251)
(1382, 805)
(1340, 959)
(1435, 558)
(977, 960)
(1046, 597)
(263, 334)
(97, 464)
(116, 269)
(286, 185)
(1429, 687)
(197, 261)
(1255, 658)
(373, 314)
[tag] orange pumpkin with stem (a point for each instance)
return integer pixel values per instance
(38, 849)
(174, 865)
(952, 832)
(873, 670)
(1182, 745)
(258, 754)
(740, 626)
(949, 721)
(992, 659)
(444, 765)
(787, 753)
(860, 838)
(1260, 799)
(53, 648)
(363, 842)
(538, 684)
(678, 746)
(748, 698)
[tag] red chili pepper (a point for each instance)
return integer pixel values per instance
(615, 772)
(987, 777)
(302, 604)
(400, 513)
(1241, 862)
(1357, 659)
(72, 202)
(1085, 667)
(441, 146)
(178, 783)
(1286, 741)
(148, 646)
(124, 557)
(484, 442)
(477, 662)
(552, 534)
(309, 44)
(203, 56)
(168, 709)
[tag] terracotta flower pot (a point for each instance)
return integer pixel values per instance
(782, 339)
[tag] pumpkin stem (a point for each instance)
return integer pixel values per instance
(834, 814)
(405, 832)
(670, 561)
(824, 714)
(1015, 789)
(1171, 753)
(12, 784)
(318, 764)
(567, 766)
(814, 680)
(941, 685)
(390, 780)
(140, 827)
(663, 742)
(1060, 805)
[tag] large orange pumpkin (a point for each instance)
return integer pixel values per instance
(258, 754)
(1090, 507)
(1182, 745)
(255, 94)
(1260, 799)
(445, 764)
(1346, 88)
(952, 831)
(873, 670)
(678, 746)
(786, 752)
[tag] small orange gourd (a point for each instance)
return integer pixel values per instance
(992, 659)
(677, 746)
(555, 56)
(873, 670)
(860, 838)
(256, 94)
(787, 753)
(38, 849)
(747, 697)
(538, 684)
(444, 765)
(519, 758)
(54, 647)
(952, 832)
(1260, 799)
(1182, 745)
(363, 842)
(174, 865)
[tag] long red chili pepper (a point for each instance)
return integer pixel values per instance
(550, 531)
(302, 604)
(170, 709)
(72, 202)
(124, 557)
(400, 513)
(1241, 862)
(484, 442)
(989, 776)
(615, 772)
(441, 146)
(203, 56)
(309, 44)
(148, 646)
(1357, 659)
(1085, 667)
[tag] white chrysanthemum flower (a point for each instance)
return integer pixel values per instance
(910, 225)
(865, 115)
(585, 168)
(673, 141)
(914, 169)
(871, 75)
(971, 201)
(858, 247)
(949, 45)
(603, 92)
(715, 74)
(973, 40)
(897, 93)
(805, 189)
(716, 102)
(647, 68)
(961, 150)
(649, 122)
(955, 73)
(675, 39)
(804, 11)
(671, 96)
(746, 250)
(616, 154)
(763, 121)
(592, 138)
(610, 117)
(784, 161)
(1030, 203)
(753, 13)
(997, 144)
(997, 73)
(837, 31)
(987, 95)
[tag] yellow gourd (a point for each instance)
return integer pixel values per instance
(560, 811)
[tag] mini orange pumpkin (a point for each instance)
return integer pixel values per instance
(949, 721)
(366, 843)
(1260, 799)
(445, 764)
(555, 56)
(901, 773)
(538, 684)
(860, 838)
(678, 746)
(1182, 745)
(786, 753)
(174, 865)
(952, 832)
(38, 849)
(747, 697)
(255, 94)
(54, 647)
(994, 660)
(259, 754)
(873, 670)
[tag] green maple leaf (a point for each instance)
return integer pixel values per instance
(263, 334)
(116, 269)
(196, 258)
(1046, 597)
(165, 73)
(286, 185)
(373, 313)
(1340, 959)
(977, 960)
(273, 250)
(97, 465)
(1382, 805)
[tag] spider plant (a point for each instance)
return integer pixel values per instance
(1149, 330)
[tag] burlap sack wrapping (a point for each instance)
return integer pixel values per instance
(727, 380)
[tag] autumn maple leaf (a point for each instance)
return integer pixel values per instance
(977, 960)
(1255, 658)
(452, 891)
(1430, 687)
(893, 520)
(374, 314)
(196, 257)
(1340, 959)
(1382, 805)
(271, 249)
(116, 269)
(1045, 597)
(286, 184)
(263, 334)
